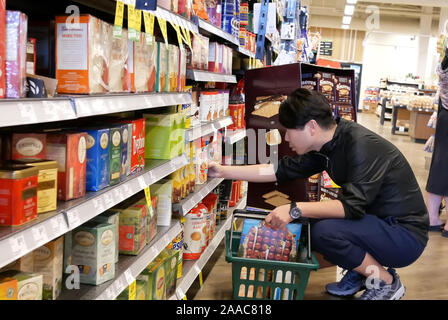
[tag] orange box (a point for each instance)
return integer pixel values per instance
(69, 150)
(83, 55)
(8, 288)
(18, 194)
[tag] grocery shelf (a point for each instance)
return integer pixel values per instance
(192, 268)
(17, 112)
(233, 136)
(193, 199)
(207, 128)
(126, 270)
(176, 19)
(82, 210)
(246, 52)
(206, 26)
(16, 242)
(206, 76)
(93, 105)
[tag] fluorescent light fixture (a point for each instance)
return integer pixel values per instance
(345, 26)
(346, 20)
(349, 10)
(352, 1)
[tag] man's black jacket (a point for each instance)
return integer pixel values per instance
(374, 176)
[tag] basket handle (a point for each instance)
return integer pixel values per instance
(261, 215)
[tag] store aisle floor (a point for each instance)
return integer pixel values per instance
(425, 279)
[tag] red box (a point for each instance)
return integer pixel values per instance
(29, 146)
(2, 48)
(138, 145)
(16, 39)
(18, 194)
(69, 150)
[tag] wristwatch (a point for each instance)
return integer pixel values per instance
(294, 211)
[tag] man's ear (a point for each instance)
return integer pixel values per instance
(312, 126)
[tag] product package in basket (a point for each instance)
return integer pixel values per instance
(260, 241)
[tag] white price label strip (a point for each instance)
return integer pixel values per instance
(27, 111)
(129, 277)
(73, 218)
(108, 200)
(110, 294)
(141, 182)
(58, 224)
(40, 234)
(18, 245)
(98, 204)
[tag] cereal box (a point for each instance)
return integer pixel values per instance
(113, 217)
(132, 230)
(93, 251)
(83, 55)
(97, 167)
(164, 191)
(28, 146)
(260, 241)
(115, 155)
(48, 261)
(29, 285)
(2, 50)
(69, 150)
(16, 39)
(8, 288)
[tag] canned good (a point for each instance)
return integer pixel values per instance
(47, 184)
(18, 194)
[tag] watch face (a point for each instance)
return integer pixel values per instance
(295, 213)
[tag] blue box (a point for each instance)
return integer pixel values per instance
(97, 167)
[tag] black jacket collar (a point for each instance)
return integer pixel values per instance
(331, 145)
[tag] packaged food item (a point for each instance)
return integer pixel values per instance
(196, 54)
(193, 234)
(213, 60)
(325, 84)
(2, 51)
(309, 81)
(8, 288)
(173, 67)
(176, 177)
(83, 55)
(141, 289)
(192, 167)
(69, 150)
(112, 217)
(67, 261)
(151, 218)
(93, 251)
(24, 263)
(29, 285)
(204, 53)
(26, 146)
(115, 155)
(15, 58)
(126, 150)
(206, 106)
(130, 65)
(195, 118)
(47, 184)
(171, 260)
(48, 261)
(220, 57)
(201, 163)
(132, 230)
(162, 66)
(142, 64)
(178, 245)
(165, 135)
(242, 37)
(211, 202)
(182, 72)
(155, 276)
(119, 76)
(18, 194)
(165, 4)
(345, 111)
(225, 59)
(152, 56)
(164, 191)
(135, 161)
(130, 293)
(260, 241)
(343, 89)
(97, 166)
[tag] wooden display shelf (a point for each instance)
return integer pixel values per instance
(418, 129)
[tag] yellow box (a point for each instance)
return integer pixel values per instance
(8, 289)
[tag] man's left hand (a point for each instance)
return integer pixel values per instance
(279, 217)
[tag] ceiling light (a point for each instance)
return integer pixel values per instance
(349, 10)
(352, 1)
(345, 26)
(346, 20)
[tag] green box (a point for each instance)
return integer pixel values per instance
(171, 263)
(29, 285)
(115, 155)
(132, 230)
(165, 136)
(111, 216)
(155, 275)
(142, 288)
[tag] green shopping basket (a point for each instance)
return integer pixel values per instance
(256, 279)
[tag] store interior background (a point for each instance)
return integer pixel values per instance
(405, 43)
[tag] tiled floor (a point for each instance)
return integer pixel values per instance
(427, 278)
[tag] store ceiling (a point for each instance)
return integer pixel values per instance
(329, 13)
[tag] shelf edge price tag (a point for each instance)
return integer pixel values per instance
(149, 26)
(148, 196)
(132, 24)
(162, 24)
(40, 234)
(129, 277)
(18, 245)
(118, 24)
(73, 218)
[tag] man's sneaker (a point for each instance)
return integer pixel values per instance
(351, 283)
(383, 291)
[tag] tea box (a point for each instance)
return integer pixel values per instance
(97, 166)
(115, 155)
(8, 288)
(29, 285)
(164, 191)
(112, 217)
(132, 230)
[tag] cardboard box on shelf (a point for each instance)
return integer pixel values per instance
(155, 276)
(119, 76)
(69, 150)
(2, 49)
(8, 288)
(142, 54)
(93, 251)
(97, 167)
(126, 150)
(26, 146)
(83, 55)
(112, 217)
(115, 155)
(25, 264)
(29, 285)
(31, 56)
(162, 67)
(142, 288)
(15, 58)
(173, 67)
(165, 136)
(182, 72)
(48, 261)
(164, 191)
(132, 230)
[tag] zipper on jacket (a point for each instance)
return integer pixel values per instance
(326, 157)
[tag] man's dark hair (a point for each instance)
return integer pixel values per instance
(304, 105)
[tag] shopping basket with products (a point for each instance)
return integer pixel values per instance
(269, 263)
